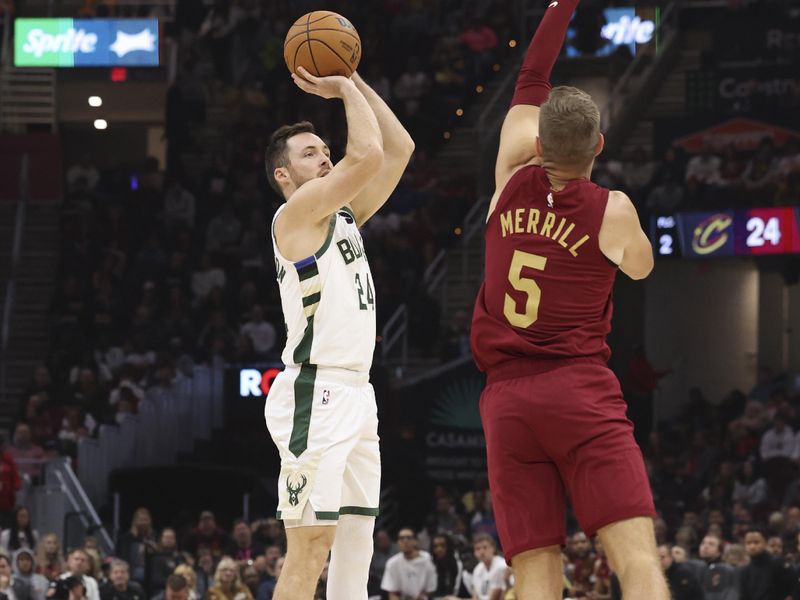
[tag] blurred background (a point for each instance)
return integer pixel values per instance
(141, 321)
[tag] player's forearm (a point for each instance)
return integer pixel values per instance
(363, 132)
(533, 82)
(396, 140)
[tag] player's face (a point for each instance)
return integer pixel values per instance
(309, 158)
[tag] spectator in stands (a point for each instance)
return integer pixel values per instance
(207, 536)
(765, 576)
(640, 383)
(749, 488)
(703, 171)
(638, 173)
(581, 562)
(70, 588)
(449, 569)
(666, 197)
(20, 534)
(730, 171)
(261, 333)
(601, 574)
(176, 589)
(717, 579)
(489, 576)
(165, 560)
(119, 585)
(227, 583)
(206, 278)
(10, 482)
(683, 584)
(250, 578)
(134, 545)
(762, 169)
(267, 588)
(411, 572)
(242, 548)
(481, 42)
(41, 383)
(23, 449)
(382, 551)
(83, 176)
(188, 573)
(775, 546)
(11, 586)
(25, 570)
(266, 564)
(224, 231)
(204, 570)
(49, 558)
(179, 206)
(411, 87)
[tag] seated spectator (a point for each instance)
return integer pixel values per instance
(188, 573)
(761, 170)
(83, 176)
(749, 488)
(639, 171)
(411, 87)
(10, 585)
(49, 558)
(730, 172)
(242, 548)
(224, 231)
(176, 589)
(10, 482)
(206, 278)
(78, 565)
(703, 169)
(227, 583)
(582, 559)
(683, 583)
(179, 206)
(261, 333)
(70, 588)
(250, 578)
(134, 544)
(25, 570)
(449, 569)
(764, 572)
(489, 576)
(411, 572)
(165, 559)
(204, 571)
(481, 43)
(267, 588)
(206, 536)
(119, 586)
(775, 546)
(382, 550)
(23, 449)
(20, 534)
(666, 197)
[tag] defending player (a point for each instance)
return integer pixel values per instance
(321, 409)
(552, 411)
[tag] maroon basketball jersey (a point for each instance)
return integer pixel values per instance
(547, 288)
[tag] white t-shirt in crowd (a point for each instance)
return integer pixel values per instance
(409, 577)
(485, 581)
(261, 334)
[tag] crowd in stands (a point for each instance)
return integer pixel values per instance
(711, 179)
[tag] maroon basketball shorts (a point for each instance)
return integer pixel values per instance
(555, 435)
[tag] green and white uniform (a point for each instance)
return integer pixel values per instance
(321, 410)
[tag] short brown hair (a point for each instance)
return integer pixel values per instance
(177, 582)
(483, 537)
(569, 126)
(276, 155)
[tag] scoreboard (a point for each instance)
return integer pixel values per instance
(751, 232)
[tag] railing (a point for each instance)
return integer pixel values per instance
(169, 421)
(396, 332)
(16, 252)
(667, 27)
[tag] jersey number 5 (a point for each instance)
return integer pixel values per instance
(524, 284)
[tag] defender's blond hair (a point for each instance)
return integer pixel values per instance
(569, 126)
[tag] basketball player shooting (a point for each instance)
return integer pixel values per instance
(552, 410)
(321, 410)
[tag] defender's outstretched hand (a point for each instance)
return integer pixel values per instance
(326, 87)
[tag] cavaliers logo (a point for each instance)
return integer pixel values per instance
(712, 234)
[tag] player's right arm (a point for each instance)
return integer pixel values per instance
(316, 200)
(622, 239)
(521, 125)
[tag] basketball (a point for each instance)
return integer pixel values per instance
(324, 43)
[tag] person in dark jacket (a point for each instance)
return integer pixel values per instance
(120, 586)
(20, 590)
(683, 583)
(719, 581)
(766, 577)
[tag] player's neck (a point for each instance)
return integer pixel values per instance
(560, 175)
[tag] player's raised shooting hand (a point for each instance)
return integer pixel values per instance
(333, 86)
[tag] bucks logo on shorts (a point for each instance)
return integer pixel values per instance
(294, 486)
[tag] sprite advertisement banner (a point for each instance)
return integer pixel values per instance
(85, 42)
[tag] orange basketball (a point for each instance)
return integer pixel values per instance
(323, 43)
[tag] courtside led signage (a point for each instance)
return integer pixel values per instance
(85, 42)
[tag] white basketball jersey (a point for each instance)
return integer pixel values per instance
(328, 300)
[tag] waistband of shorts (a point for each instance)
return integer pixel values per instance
(522, 367)
(335, 374)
